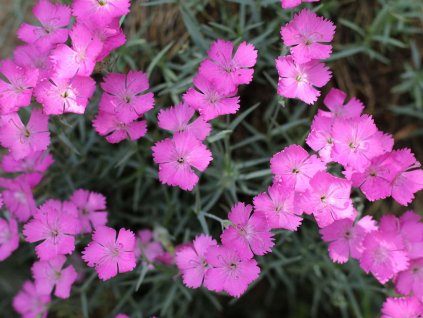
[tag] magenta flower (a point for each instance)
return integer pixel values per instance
(37, 162)
(55, 225)
(33, 56)
(211, 98)
(91, 209)
(335, 100)
(49, 275)
(320, 138)
(80, 59)
(177, 119)
(286, 4)
(125, 95)
(404, 307)
(115, 131)
(228, 68)
(228, 271)
(346, 238)
(109, 254)
(383, 255)
(22, 140)
(191, 260)
(9, 237)
(54, 18)
(16, 92)
(299, 80)
(248, 234)
(59, 96)
(101, 11)
(328, 199)
(295, 167)
(177, 156)
(147, 248)
(306, 35)
(30, 304)
(410, 281)
(279, 207)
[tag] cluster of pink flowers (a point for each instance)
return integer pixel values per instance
(214, 94)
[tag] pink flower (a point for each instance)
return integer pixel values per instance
(91, 208)
(29, 303)
(383, 255)
(299, 80)
(346, 238)
(279, 207)
(231, 70)
(147, 248)
(177, 119)
(80, 59)
(9, 238)
(410, 281)
(306, 35)
(55, 225)
(211, 98)
(54, 18)
(109, 254)
(356, 142)
(32, 56)
(38, 162)
(109, 125)
(320, 138)
(409, 176)
(177, 156)
(22, 139)
(16, 92)
(50, 274)
(335, 100)
(125, 95)
(228, 271)
(286, 4)
(295, 167)
(328, 199)
(191, 260)
(101, 11)
(59, 96)
(248, 233)
(404, 307)
(121, 316)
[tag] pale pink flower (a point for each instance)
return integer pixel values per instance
(328, 199)
(111, 254)
(9, 238)
(16, 90)
(211, 98)
(49, 275)
(38, 162)
(404, 307)
(229, 68)
(125, 95)
(279, 207)
(177, 156)
(30, 304)
(335, 101)
(54, 18)
(22, 140)
(346, 238)
(100, 11)
(228, 271)
(286, 4)
(300, 80)
(320, 138)
(191, 260)
(178, 119)
(59, 96)
(294, 166)
(307, 36)
(248, 233)
(91, 208)
(410, 281)
(55, 225)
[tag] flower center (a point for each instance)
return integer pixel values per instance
(27, 133)
(102, 2)
(233, 266)
(380, 255)
(85, 211)
(180, 160)
(127, 99)
(295, 171)
(348, 234)
(54, 233)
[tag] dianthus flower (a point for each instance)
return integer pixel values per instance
(307, 36)
(335, 102)
(38, 162)
(248, 233)
(299, 80)
(55, 225)
(101, 11)
(286, 4)
(178, 119)
(320, 138)
(405, 307)
(191, 260)
(147, 248)
(29, 303)
(9, 237)
(294, 166)
(228, 271)
(49, 275)
(91, 208)
(110, 254)
(177, 156)
(32, 56)
(410, 281)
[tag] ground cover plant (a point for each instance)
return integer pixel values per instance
(211, 159)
